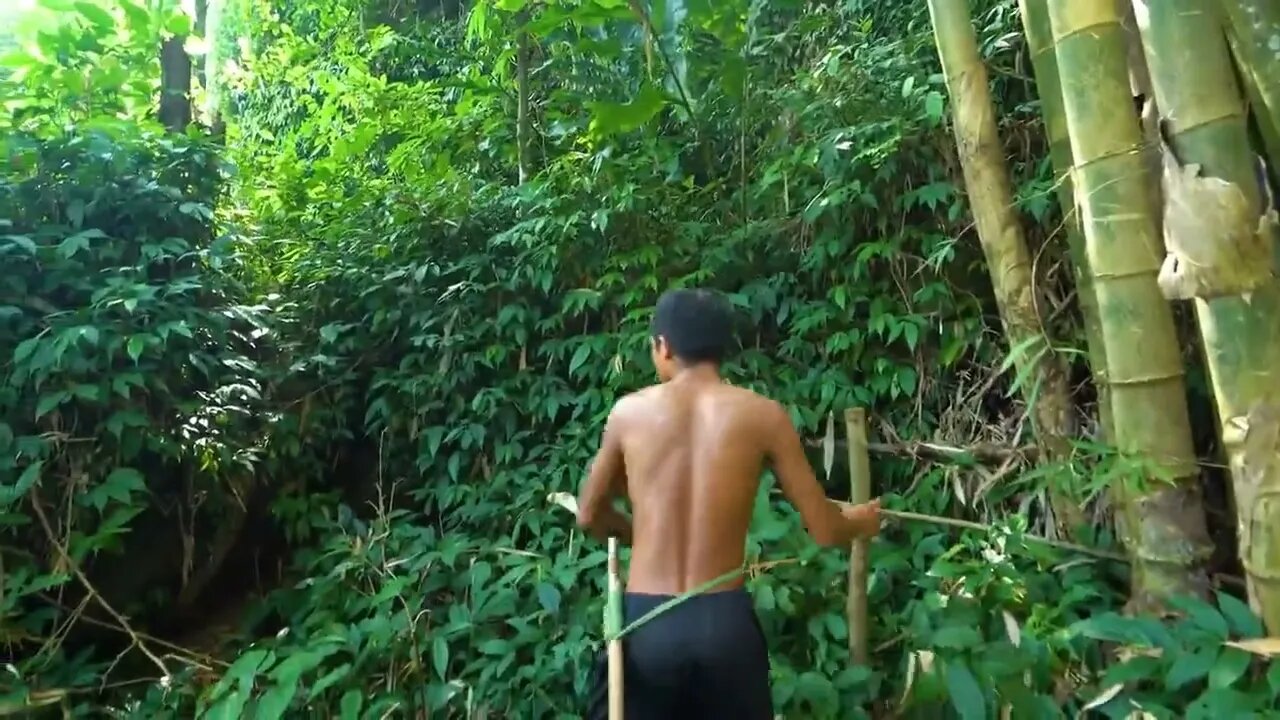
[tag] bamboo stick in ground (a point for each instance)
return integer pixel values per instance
(613, 625)
(855, 422)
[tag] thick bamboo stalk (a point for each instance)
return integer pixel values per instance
(1162, 518)
(613, 626)
(991, 198)
(1206, 125)
(855, 423)
(1255, 24)
(1254, 34)
(1044, 64)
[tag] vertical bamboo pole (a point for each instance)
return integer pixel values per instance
(1044, 64)
(1161, 518)
(855, 423)
(990, 196)
(613, 626)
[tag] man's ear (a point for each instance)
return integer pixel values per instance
(661, 347)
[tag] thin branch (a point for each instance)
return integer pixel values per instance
(89, 588)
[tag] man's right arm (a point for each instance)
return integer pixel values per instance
(828, 524)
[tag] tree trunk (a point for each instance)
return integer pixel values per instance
(1044, 63)
(524, 129)
(1161, 518)
(991, 197)
(1224, 257)
(175, 84)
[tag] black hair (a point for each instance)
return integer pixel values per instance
(696, 323)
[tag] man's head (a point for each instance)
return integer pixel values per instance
(690, 327)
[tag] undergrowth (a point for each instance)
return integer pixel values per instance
(281, 414)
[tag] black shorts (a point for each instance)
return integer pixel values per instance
(704, 658)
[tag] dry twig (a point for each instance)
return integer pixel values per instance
(93, 592)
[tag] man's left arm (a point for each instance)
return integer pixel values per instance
(606, 481)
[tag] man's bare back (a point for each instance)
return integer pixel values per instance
(688, 454)
(692, 451)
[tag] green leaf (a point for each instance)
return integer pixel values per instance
(135, 347)
(965, 693)
(50, 402)
(579, 357)
(613, 118)
(26, 481)
(329, 679)
(1203, 616)
(350, 706)
(956, 637)
(1190, 666)
(549, 597)
(122, 483)
(1240, 616)
(24, 350)
(1231, 664)
(440, 655)
(21, 241)
(179, 23)
(80, 241)
(75, 208)
(934, 105)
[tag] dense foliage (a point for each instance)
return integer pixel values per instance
(320, 379)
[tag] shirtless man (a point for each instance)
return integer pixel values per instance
(688, 454)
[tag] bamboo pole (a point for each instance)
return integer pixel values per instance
(1255, 26)
(986, 179)
(613, 626)
(855, 423)
(1161, 517)
(1213, 227)
(1044, 65)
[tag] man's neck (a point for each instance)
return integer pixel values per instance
(701, 373)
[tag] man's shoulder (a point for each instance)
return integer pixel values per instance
(754, 400)
(634, 400)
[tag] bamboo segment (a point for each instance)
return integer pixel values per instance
(991, 197)
(1044, 63)
(1217, 217)
(1254, 27)
(1161, 518)
(855, 423)
(613, 626)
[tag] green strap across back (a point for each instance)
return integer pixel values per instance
(613, 629)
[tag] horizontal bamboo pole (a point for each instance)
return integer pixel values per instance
(980, 453)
